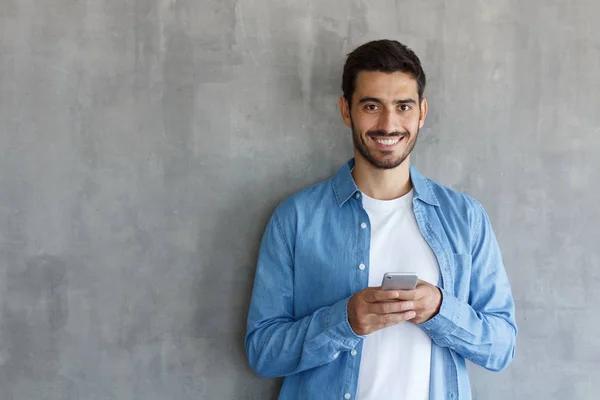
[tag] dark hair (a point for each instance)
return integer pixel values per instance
(385, 56)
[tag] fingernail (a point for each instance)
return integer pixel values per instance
(411, 314)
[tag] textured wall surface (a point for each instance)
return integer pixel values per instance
(144, 144)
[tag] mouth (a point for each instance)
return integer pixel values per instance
(387, 143)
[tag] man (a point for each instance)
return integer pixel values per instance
(318, 316)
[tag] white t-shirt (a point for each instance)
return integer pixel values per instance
(395, 361)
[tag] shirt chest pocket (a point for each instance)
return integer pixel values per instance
(461, 271)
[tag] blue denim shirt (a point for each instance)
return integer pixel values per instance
(308, 268)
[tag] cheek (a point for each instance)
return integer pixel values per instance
(358, 123)
(366, 123)
(413, 124)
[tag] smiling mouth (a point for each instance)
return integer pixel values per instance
(387, 141)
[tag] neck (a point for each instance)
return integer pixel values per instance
(382, 184)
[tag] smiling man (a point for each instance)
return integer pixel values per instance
(318, 316)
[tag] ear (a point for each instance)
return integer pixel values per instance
(423, 112)
(345, 111)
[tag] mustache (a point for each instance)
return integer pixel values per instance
(382, 133)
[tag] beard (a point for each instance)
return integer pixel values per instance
(383, 162)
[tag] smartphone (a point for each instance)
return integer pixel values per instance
(399, 281)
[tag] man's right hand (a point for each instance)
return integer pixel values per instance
(373, 309)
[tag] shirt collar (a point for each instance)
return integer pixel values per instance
(423, 188)
(344, 186)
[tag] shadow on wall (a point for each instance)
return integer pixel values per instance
(228, 260)
(228, 254)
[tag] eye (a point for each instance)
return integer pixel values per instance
(371, 107)
(404, 107)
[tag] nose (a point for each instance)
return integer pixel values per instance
(388, 121)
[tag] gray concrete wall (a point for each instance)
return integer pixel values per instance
(143, 145)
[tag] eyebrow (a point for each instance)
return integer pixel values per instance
(376, 100)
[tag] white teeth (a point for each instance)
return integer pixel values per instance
(388, 142)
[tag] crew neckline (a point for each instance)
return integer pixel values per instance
(403, 202)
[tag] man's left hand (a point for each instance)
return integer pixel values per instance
(426, 299)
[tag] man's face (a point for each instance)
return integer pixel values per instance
(385, 117)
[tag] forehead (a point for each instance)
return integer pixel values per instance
(385, 86)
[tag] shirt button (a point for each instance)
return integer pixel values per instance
(361, 266)
(363, 225)
(354, 352)
(336, 355)
(347, 396)
(358, 195)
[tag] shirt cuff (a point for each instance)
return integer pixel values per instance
(337, 326)
(445, 321)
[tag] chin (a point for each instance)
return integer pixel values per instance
(386, 163)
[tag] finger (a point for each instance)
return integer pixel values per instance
(423, 289)
(391, 307)
(421, 293)
(426, 290)
(393, 319)
(419, 305)
(407, 295)
(375, 296)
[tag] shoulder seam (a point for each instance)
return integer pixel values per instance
(282, 235)
(480, 211)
